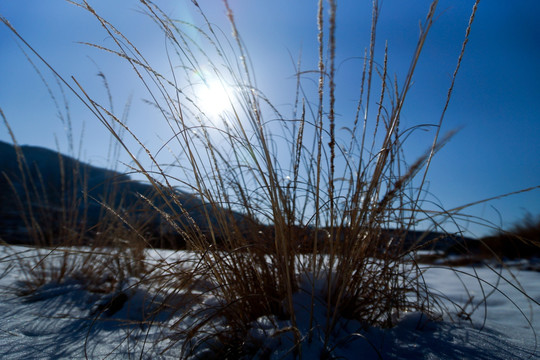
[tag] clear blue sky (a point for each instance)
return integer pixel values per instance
(495, 103)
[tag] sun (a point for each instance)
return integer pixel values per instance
(214, 98)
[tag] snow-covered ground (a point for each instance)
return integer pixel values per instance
(60, 321)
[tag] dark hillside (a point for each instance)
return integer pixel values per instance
(59, 191)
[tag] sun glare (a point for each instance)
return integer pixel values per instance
(214, 98)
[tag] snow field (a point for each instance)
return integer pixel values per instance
(146, 315)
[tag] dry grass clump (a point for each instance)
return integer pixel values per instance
(338, 195)
(341, 193)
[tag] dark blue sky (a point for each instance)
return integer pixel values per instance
(495, 103)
